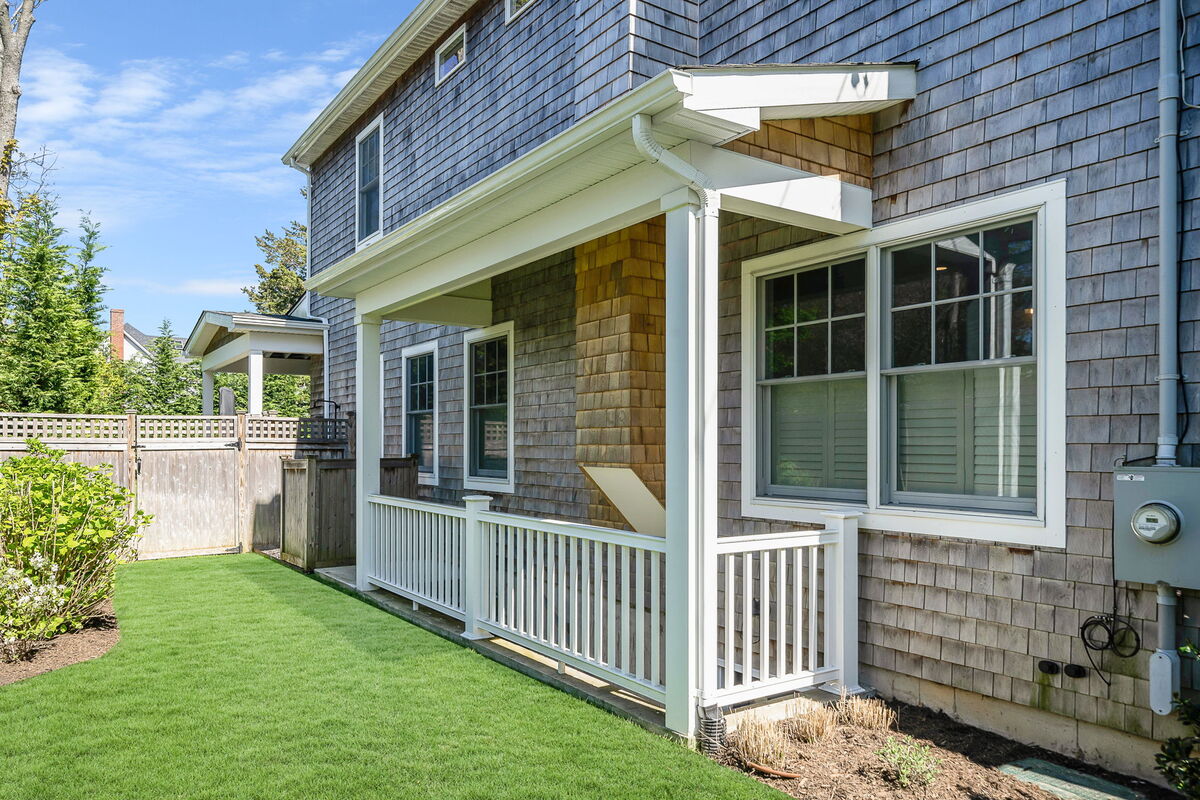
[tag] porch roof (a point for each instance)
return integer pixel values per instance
(591, 180)
(223, 340)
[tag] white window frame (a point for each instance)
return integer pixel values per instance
(478, 482)
(376, 125)
(438, 77)
(424, 348)
(510, 15)
(1046, 204)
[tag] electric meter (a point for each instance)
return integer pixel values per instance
(1156, 523)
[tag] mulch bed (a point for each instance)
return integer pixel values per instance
(847, 765)
(95, 639)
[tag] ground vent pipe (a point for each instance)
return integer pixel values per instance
(1169, 95)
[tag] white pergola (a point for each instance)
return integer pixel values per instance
(254, 344)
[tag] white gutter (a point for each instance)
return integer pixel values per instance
(1168, 233)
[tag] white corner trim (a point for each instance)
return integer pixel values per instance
(438, 77)
(1047, 527)
(375, 125)
(424, 348)
(477, 482)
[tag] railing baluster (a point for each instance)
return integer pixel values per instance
(747, 619)
(812, 608)
(764, 615)
(610, 594)
(656, 630)
(730, 601)
(585, 599)
(781, 612)
(638, 608)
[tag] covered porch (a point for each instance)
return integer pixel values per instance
(255, 345)
(704, 617)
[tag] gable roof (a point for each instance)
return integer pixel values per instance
(419, 31)
(144, 342)
(211, 323)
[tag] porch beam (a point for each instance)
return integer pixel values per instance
(468, 312)
(368, 443)
(691, 456)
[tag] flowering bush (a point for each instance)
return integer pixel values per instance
(64, 527)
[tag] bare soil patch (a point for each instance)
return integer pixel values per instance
(847, 765)
(95, 639)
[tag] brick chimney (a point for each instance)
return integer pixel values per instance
(116, 333)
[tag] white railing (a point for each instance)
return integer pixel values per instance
(588, 596)
(594, 598)
(782, 619)
(417, 552)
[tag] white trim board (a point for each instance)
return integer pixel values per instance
(1047, 527)
(507, 484)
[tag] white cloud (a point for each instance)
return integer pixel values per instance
(141, 87)
(195, 287)
(56, 88)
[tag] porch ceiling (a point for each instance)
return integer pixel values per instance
(591, 180)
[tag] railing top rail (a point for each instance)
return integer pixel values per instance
(777, 541)
(418, 505)
(579, 530)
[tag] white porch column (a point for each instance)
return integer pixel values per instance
(254, 384)
(368, 446)
(206, 392)
(691, 457)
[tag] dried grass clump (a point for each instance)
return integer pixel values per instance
(870, 713)
(758, 742)
(813, 725)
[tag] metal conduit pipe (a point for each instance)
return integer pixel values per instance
(1164, 661)
(1169, 95)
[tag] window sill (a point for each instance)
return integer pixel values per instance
(502, 485)
(1010, 529)
(363, 244)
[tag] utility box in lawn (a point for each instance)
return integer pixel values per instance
(1156, 525)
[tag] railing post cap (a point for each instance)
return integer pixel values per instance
(841, 514)
(477, 499)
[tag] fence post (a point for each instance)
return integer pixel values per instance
(131, 454)
(244, 517)
(473, 577)
(842, 604)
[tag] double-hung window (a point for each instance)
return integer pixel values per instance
(368, 183)
(489, 431)
(914, 373)
(813, 384)
(420, 408)
(962, 379)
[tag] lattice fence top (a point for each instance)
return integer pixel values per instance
(57, 427)
(162, 427)
(304, 429)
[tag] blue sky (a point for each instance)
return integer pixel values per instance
(168, 121)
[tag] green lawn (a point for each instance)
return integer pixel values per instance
(236, 677)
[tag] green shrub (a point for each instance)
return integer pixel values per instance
(1179, 761)
(909, 762)
(64, 527)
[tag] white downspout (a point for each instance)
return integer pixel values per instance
(655, 153)
(1168, 233)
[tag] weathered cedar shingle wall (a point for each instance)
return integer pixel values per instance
(1014, 94)
(838, 147)
(620, 316)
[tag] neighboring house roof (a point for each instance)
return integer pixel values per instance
(144, 342)
(427, 23)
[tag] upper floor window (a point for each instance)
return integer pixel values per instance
(489, 430)
(514, 7)
(369, 186)
(451, 55)
(420, 407)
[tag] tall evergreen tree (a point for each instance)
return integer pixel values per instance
(281, 282)
(165, 384)
(50, 343)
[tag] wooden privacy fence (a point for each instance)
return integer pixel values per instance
(318, 507)
(212, 483)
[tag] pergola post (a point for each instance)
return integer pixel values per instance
(206, 392)
(691, 456)
(254, 390)
(368, 447)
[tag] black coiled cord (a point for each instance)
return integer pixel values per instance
(1109, 632)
